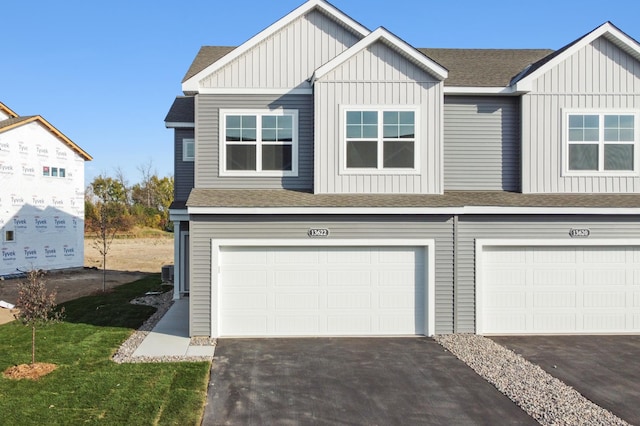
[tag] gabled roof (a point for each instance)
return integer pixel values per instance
(205, 57)
(7, 110)
(607, 30)
(191, 83)
(182, 113)
(14, 122)
(382, 35)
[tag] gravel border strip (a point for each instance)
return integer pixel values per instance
(545, 398)
(162, 302)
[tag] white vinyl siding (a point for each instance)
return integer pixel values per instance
(378, 76)
(559, 289)
(599, 77)
(288, 58)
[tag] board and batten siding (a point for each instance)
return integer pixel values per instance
(518, 228)
(378, 77)
(288, 58)
(208, 140)
(481, 143)
(205, 228)
(182, 170)
(599, 76)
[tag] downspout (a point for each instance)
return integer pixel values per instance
(455, 273)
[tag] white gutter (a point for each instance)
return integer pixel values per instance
(465, 210)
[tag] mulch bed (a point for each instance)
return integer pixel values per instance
(29, 371)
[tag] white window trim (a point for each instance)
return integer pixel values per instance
(185, 142)
(597, 173)
(344, 170)
(258, 173)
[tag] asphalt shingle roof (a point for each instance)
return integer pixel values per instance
(14, 120)
(182, 110)
(467, 67)
(272, 198)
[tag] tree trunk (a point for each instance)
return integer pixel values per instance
(33, 344)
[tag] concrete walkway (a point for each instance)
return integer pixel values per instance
(170, 337)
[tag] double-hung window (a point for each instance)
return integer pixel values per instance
(380, 140)
(601, 143)
(261, 143)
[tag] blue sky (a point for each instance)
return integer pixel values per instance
(106, 72)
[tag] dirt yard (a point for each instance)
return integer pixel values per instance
(128, 260)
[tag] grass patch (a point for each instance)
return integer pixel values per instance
(88, 387)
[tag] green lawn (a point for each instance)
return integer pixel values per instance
(89, 388)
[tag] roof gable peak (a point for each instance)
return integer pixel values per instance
(382, 34)
(607, 30)
(191, 84)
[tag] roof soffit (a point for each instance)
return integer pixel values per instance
(191, 85)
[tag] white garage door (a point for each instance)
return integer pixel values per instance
(314, 291)
(560, 290)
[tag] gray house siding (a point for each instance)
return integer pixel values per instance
(182, 170)
(378, 77)
(288, 58)
(205, 228)
(208, 140)
(471, 228)
(599, 76)
(481, 143)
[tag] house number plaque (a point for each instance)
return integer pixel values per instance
(318, 232)
(579, 233)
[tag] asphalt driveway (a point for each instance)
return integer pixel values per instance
(605, 369)
(353, 381)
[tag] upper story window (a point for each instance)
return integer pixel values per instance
(601, 143)
(259, 143)
(380, 140)
(188, 149)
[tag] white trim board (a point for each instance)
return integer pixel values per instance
(428, 244)
(481, 243)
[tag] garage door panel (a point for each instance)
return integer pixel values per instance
(604, 277)
(243, 301)
(553, 255)
(551, 322)
(503, 299)
(323, 291)
(343, 278)
(605, 300)
(593, 289)
(296, 301)
(296, 278)
(294, 324)
(349, 301)
(554, 276)
(556, 299)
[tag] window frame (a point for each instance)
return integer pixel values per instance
(601, 172)
(259, 143)
(380, 169)
(185, 143)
